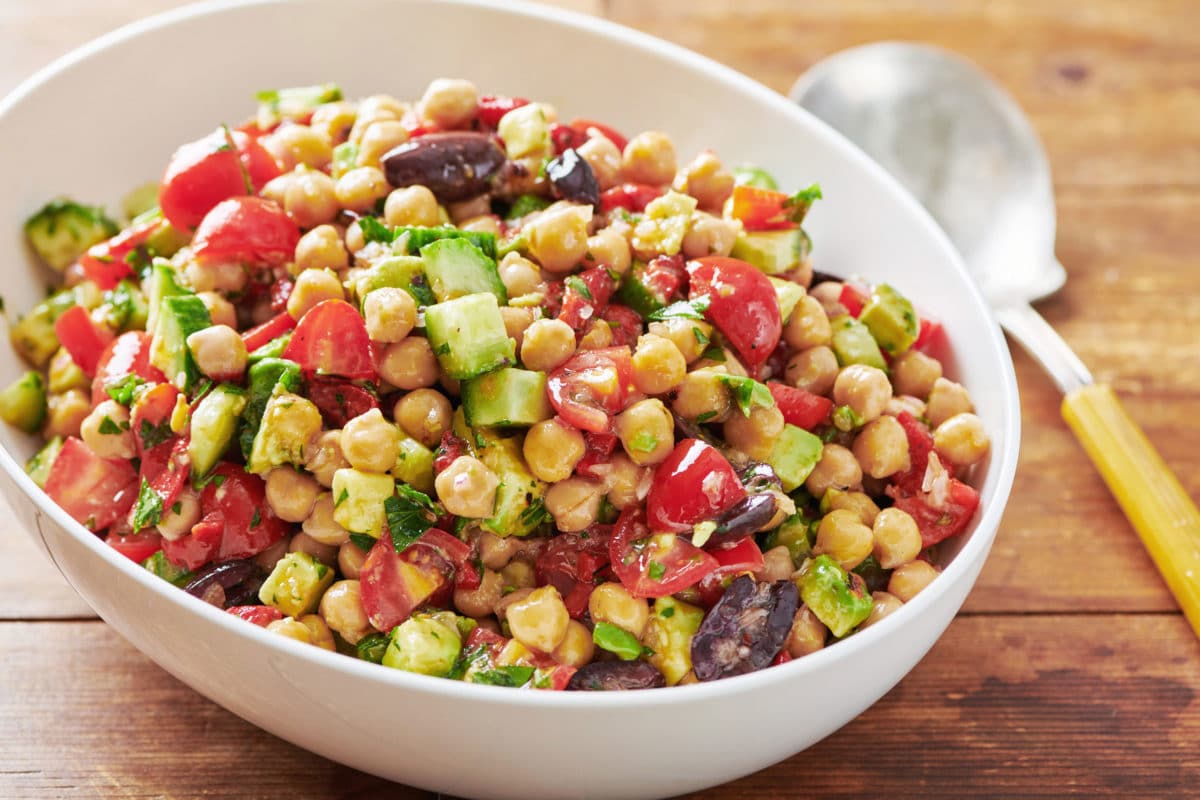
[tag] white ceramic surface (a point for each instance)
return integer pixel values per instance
(70, 131)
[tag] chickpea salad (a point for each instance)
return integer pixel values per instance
(460, 388)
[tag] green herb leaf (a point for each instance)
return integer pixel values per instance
(372, 647)
(409, 514)
(123, 390)
(683, 309)
(701, 337)
(363, 542)
(149, 507)
(110, 428)
(256, 519)
(656, 570)
(706, 416)
(342, 497)
(845, 419)
(535, 514)
(713, 353)
(575, 282)
(155, 434)
(616, 640)
(798, 204)
(504, 676)
(644, 442)
(375, 231)
(667, 612)
(748, 393)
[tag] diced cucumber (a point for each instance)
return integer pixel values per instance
(64, 374)
(414, 465)
(272, 349)
(890, 318)
(288, 422)
(38, 466)
(637, 294)
(161, 566)
(358, 500)
(399, 272)
(214, 423)
(62, 230)
(294, 101)
(419, 238)
(853, 343)
(837, 598)
(23, 402)
(162, 282)
(796, 455)
(263, 378)
(296, 584)
(519, 499)
(456, 268)
(166, 240)
(423, 644)
(787, 294)
(750, 175)
(33, 336)
(506, 397)
(526, 204)
(669, 635)
(773, 252)
(140, 200)
(178, 318)
(468, 336)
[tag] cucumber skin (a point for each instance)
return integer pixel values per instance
(261, 384)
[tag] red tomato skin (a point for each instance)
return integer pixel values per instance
(331, 339)
(683, 565)
(451, 448)
(240, 498)
(152, 410)
(137, 547)
(251, 230)
(90, 488)
(259, 163)
(200, 546)
(590, 129)
(128, 354)
(742, 556)
(761, 209)
(339, 400)
(578, 309)
(387, 597)
(633, 197)
(262, 616)
(564, 137)
(490, 109)
(920, 445)
(273, 328)
(930, 337)
(693, 484)
(800, 408)
(742, 305)
(85, 340)
(570, 563)
(936, 524)
(853, 299)
(625, 323)
(577, 402)
(105, 263)
(165, 469)
(203, 173)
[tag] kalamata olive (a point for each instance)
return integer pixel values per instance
(746, 629)
(454, 166)
(608, 676)
(573, 179)
(744, 517)
(233, 578)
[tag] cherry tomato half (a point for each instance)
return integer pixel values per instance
(95, 491)
(938, 523)
(339, 400)
(394, 585)
(250, 525)
(273, 328)
(137, 547)
(251, 230)
(570, 563)
(490, 109)
(800, 408)
(261, 616)
(742, 305)
(331, 339)
(150, 417)
(590, 129)
(105, 263)
(695, 483)
(654, 564)
(633, 197)
(203, 173)
(83, 338)
(128, 354)
(591, 387)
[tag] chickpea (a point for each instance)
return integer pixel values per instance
(703, 394)
(360, 188)
(409, 364)
(946, 399)
(706, 180)
(390, 314)
(838, 468)
(596, 336)
(756, 434)
(897, 538)
(321, 248)
(802, 274)
(829, 295)
(649, 158)
(552, 450)
(318, 631)
(518, 574)
(604, 158)
(844, 538)
(690, 336)
(961, 439)
(467, 488)
(268, 558)
(342, 609)
(220, 310)
(866, 390)
(449, 102)
(496, 551)
(334, 121)
(483, 223)
(539, 620)
(709, 236)
(378, 138)
(807, 326)
(306, 195)
(470, 208)
(777, 565)
(858, 502)
(293, 145)
(106, 431)
(178, 520)
(577, 647)
(813, 370)
(371, 443)
(291, 494)
(647, 431)
(350, 560)
(627, 483)
(65, 413)
(905, 403)
(519, 275)
(374, 109)
(558, 237)
(882, 605)
(480, 601)
(608, 248)
(910, 579)
(658, 366)
(881, 447)
(574, 503)
(807, 635)
(321, 525)
(411, 205)
(219, 352)
(612, 603)
(303, 543)
(292, 629)
(215, 277)
(516, 321)
(548, 343)
(323, 456)
(356, 240)
(914, 373)
(313, 286)
(424, 414)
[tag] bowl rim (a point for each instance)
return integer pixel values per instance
(1003, 460)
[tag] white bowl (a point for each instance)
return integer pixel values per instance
(67, 131)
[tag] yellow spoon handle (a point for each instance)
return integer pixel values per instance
(1164, 516)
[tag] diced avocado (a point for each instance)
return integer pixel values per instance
(64, 374)
(423, 644)
(400, 272)
(664, 224)
(140, 200)
(526, 204)
(795, 534)
(372, 647)
(890, 318)
(854, 344)
(214, 423)
(272, 349)
(669, 635)
(345, 158)
(263, 378)
(358, 500)
(178, 318)
(456, 268)
(162, 282)
(124, 307)
(796, 454)
(787, 294)
(507, 397)
(839, 599)
(414, 465)
(468, 336)
(526, 132)
(295, 101)
(161, 566)
(296, 584)
(166, 240)
(38, 466)
(288, 422)
(773, 252)
(750, 175)
(519, 500)
(63, 229)
(637, 294)
(23, 402)
(33, 336)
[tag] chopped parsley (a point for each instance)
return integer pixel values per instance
(796, 207)
(701, 336)
(155, 434)
(535, 514)
(656, 570)
(214, 478)
(124, 390)
(148, 510)
(845, 419)
(256, 520)
(576, 283)
(110, 428)
(443, 350)
(644, 442)
(409, 514)
(706, 416)
(667, 612)
(375, 231)
(363, 541)
(616, 640)
(504, 676)
(683, 309)
(342, 497)
(176, 507)
(713, 353)
(748, 393)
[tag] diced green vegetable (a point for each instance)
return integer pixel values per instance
(526, 132)
(890, 318)
(38, 466)
(520, 507)
(178, 318)
(664, 224)
(796, 535)
(358, 499)
(296, 584)
(288, 421)
(263, 378)
(669, 635)
(166, 240)
(162, 282)
(414, 465)
(345, 158)
(62, 230)
(637, 294)
(508, 397)
(787, 294)
(214, 422)
(457, 268)
(526, 204)
(795, 456)
(468, 336)
(161, 566)
(372, 647)
(33, 336)
(399, 272)
(124, 307)
(839, 599)
(23, 402)
(140, 200)
(295, 101)
(64, 374)
(748, 393)
(423, 644)
(272, 349)
(750, 175)
(773, 252)
(854, 344)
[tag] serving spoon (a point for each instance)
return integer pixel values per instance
(962, 146)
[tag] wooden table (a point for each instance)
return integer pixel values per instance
(1069, 671)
